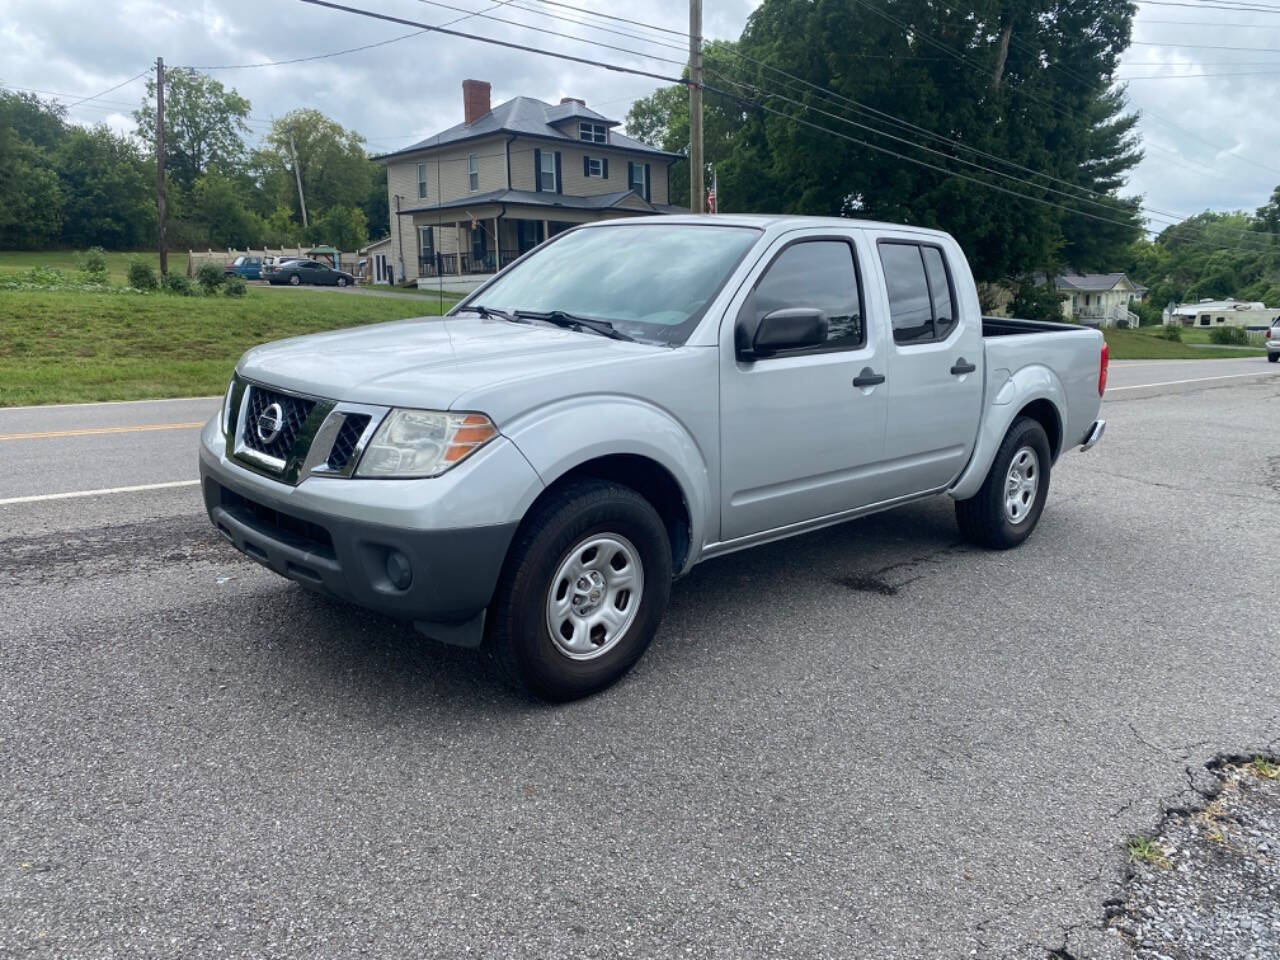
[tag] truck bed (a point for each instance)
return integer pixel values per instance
(1012, 327)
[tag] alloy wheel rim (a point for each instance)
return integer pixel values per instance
(594, 596)
(1021, 485)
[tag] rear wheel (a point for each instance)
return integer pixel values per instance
(294, 280)
(1273, 357)
(1007, 507)
(582, 592)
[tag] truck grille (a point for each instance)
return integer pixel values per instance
(294, 412)
(344, 444)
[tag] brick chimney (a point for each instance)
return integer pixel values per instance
(564, 100)
(475, 100)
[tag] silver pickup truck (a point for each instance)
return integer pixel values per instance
(626, 400)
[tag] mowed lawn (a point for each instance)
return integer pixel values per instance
(12, 261)
(72, 346)
(1144, 344)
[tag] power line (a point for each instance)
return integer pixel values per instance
(554, 33)
(339, 53)
(1234, 8)
(1201, 46)
(110, 89)
(609, 16)
(616, 68)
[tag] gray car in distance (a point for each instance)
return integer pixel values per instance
(628, 399)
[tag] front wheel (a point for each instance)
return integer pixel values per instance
(294, 280)
(1007, 507)
(342, 281)
(582, 592)
(1273, 357)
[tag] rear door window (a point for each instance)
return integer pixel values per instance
(921, 298)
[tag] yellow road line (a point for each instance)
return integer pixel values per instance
(97, 431)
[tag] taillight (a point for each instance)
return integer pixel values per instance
(1102, 369)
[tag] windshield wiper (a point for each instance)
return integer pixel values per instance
(574, 322)
(493, 312)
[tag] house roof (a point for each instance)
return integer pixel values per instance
(532, 118)
(1217, 306)
(601, 201)
(1089, 282)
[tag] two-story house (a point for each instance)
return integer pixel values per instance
(476, 196)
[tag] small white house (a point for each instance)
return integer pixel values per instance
(1221, 313)
(1098, 299)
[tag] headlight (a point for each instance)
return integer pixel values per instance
(423, 443)
(225, 418)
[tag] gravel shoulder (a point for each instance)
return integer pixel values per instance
(1206, 886)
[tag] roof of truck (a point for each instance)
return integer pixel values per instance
(764, 220)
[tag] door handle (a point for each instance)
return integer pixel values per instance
(868, 378)
(962, 366)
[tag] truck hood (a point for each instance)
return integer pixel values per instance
(429, 362)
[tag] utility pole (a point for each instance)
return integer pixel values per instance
(298, 176)
(161, 203)
(697, 196)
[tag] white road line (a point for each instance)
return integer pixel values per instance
(106, 403)
(97, 493)
(1171, 383)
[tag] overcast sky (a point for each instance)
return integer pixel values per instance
(1212, 142)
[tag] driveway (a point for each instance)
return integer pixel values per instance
(200, 758)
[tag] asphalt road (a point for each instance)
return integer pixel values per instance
(200, 759)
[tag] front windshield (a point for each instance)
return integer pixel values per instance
(651, 281)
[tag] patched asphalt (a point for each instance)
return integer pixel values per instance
(870, 741)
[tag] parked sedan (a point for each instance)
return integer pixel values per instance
(248, 267)
(297, 272)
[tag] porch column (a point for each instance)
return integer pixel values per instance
(497, 243)
(546, 230)
(457, 231)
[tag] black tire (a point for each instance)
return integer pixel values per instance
(517, 633)
(294, 280)
(982, 518)
(1273, 357)
(342, 281)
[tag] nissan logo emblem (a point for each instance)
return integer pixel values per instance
(270, 423)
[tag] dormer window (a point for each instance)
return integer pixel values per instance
(592, 132)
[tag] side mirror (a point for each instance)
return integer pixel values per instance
(792, 328)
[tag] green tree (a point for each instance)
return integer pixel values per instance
(204, 125)
(341, 227)
(108, 190)
(1028, 81)
(332, 161)
(41, 122)
(30, 198)
(217, 205)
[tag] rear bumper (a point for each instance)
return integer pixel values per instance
(1092, 438)
(452, 573)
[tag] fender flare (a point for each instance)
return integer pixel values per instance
(565, 434)
(1008, 396)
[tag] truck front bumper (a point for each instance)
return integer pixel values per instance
(440, 580)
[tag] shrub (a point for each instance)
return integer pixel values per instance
(1148, 314)
(180, 284)
(210, 277)
(1235, 336)
(1172, 331)
(236, 287)
(1122, 324)
(142, 275)
(93, 264)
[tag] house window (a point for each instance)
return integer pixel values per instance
(592, 132)
(637, 181)
(1204, 320)
(473, 173)
(422, 181)
(592, 167)
(426, 246)
(1222, 319)
(547, 171)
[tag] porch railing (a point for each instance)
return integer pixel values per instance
(447, 264)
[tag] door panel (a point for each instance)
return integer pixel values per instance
(798, 440)
(933, 412)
